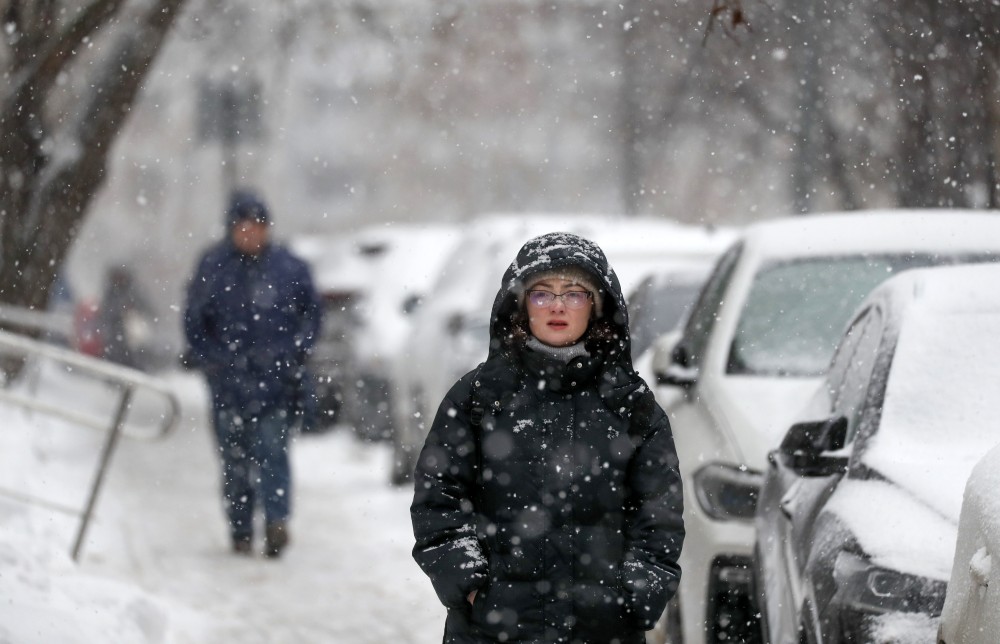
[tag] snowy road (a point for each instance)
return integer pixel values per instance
(347, 576)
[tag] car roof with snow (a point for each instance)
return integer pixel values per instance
(634, 246)
(874, 231)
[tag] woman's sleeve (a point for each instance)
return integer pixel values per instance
(444, 521)
(655, 524)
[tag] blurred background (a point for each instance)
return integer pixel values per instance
(360, 113)
(407, 148)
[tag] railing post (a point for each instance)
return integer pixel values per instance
(109, 446)
(127, 379)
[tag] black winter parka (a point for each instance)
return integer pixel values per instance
(550, 488)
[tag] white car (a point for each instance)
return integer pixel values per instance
(450, 332)
(369, 280)
(972, 603)
(407, 260)
(751, 354)
(341, 277)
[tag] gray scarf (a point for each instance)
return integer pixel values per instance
(563, 354)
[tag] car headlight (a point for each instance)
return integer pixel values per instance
(727, 492)
(867, 588)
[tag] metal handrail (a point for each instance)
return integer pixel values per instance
(128, 381)
(55, 322)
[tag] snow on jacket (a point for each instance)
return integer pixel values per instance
(250, 322)
(550, 488)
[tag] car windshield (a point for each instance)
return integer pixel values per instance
(659, 310)
(796, 310)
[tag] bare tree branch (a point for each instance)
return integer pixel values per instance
(41, 70)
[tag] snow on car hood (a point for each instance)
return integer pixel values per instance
(756, 411)
(939, 417)
(941, 413)
(896, 529)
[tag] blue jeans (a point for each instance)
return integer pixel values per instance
(255, 466)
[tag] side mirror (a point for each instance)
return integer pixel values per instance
(806, 447)
(671, 360)
(411, 303)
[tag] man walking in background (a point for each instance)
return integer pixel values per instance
(252, 316)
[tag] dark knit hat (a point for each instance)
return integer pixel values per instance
(243, 205)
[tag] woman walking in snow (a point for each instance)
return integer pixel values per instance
(547, 500)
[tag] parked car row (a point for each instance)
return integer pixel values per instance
(823, 468)
(824, 376)
(406, 306)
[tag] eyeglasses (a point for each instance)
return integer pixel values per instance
(572, 299)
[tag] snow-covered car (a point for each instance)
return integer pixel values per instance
(405, 262)
(971, 612)
(750, 355)
(341, 272)
(450, 332)
(369, 280)
(859, 509)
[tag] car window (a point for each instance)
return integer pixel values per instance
(657, 309)
(853, 391)
(841, 361)
(705, 312)
(796, 310)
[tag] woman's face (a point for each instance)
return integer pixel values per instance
(557, 324)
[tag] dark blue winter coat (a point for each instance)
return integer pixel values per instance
(550, 488)
(250, 323)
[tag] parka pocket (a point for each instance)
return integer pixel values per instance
(507, 611)
(601, 611)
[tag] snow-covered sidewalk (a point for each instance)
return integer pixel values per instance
(156, 566)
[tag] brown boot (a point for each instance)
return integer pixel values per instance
(276, 538)
(242, 545)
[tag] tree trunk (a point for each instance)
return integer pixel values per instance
(45, 191)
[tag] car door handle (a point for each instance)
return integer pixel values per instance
(980, 566)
